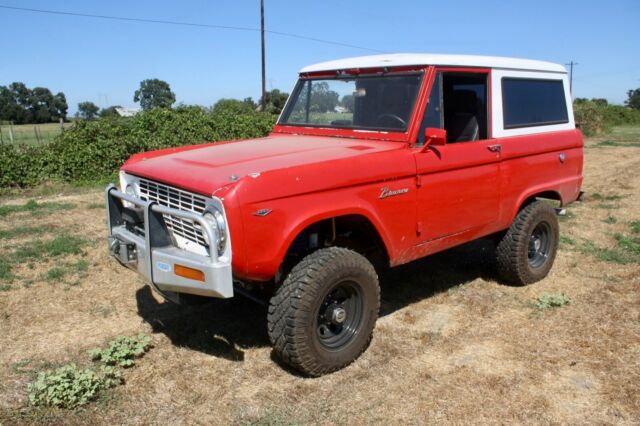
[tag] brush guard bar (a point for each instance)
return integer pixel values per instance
(154, 254)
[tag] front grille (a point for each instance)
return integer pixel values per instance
(177, 199)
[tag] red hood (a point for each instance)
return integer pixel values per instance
(207, 168)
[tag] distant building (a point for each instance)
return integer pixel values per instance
(127, 112)
(340, 109)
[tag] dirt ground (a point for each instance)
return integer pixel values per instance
(452, 344)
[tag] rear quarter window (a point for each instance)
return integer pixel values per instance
(533, 102)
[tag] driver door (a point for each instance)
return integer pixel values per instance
(458, 183)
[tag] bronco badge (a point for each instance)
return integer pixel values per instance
(386, 192)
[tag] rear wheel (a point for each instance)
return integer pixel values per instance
(322, 317)
(526, 252)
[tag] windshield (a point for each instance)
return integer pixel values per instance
(365, 102)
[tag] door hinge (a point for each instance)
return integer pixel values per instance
(418, 181)
(419, 228)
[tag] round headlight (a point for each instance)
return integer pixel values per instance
(216, 220)
(130, 190)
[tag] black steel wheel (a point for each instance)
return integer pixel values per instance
(539, 245)
(526, 252)
(340, 315)
(322, 317)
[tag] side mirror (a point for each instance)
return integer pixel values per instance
(434, 136)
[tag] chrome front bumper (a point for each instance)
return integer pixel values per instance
(154, 255)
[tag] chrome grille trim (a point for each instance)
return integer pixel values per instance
(178, 199)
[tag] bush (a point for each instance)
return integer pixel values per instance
(595, 116)
(70, 386)
(122, 350)
(94, 150)
(551, 300)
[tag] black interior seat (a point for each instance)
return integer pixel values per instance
(461, 117)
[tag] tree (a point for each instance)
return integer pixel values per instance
(154, 93)
(634, 99)
(42, 105)
(87, 110)
(60, 105)
(109, 111)
(22, 105)
(275, 100)
(348, 102)
(323, 99)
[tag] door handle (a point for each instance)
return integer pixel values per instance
(495, 148)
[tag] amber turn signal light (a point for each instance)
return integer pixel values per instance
(185, 271)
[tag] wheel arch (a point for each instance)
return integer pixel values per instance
(531, 196)
(362, 224)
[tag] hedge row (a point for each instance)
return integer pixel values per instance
(94, 150)
(594, 117)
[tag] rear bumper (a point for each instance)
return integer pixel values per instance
(152, 253)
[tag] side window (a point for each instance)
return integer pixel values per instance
(458, 104)
(433, 117)
(533, 102)
(465, 106)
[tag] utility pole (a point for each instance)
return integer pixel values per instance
(264, 89)
(571, 65)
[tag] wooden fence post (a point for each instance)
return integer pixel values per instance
(11, 131)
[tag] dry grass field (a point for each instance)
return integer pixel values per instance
(26, 133)
(452, 345)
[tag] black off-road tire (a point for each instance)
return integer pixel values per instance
(298, 310)
(516, 262)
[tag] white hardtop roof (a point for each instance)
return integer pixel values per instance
(406, 59)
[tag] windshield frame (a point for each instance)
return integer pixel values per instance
(351, 131)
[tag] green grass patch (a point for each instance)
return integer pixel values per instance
(567, 240)
(606, 254)
(607, 206)
(5, 287)
(610, 143)
(56, 273)
(22, 231)
(61, 245)
(95, 206)
(628, 244)
(5, 270)
(599, 197)
(35, 208)
(635, 226)
(81, 266)
(610, 220)
(551, 300)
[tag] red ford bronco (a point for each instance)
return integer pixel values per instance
(375, 160)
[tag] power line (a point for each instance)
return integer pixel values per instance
(187, 24)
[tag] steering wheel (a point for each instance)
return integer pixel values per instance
(392, 116)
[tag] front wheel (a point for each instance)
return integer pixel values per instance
(322, 317)
(526, 252)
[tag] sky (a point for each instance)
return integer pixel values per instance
(103, 61)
